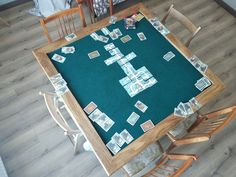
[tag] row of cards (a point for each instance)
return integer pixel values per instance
(198, 64)
(159, 26)
(59, 84)
(99, 117)
(186, 109)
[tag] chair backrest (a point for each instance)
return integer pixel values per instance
(184, 21)
(171, 165)
(52, 105)
(64, 22)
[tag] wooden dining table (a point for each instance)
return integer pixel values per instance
(91, 80)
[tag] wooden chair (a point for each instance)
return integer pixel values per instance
(74, 135)
(89, 3)
(171, 165)
(183, 20)
(64, 21)
(205, 126)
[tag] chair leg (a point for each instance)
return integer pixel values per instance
(77, 142)
(172, 146)
(4, 21)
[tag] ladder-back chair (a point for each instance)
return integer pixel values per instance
(171, 165)
(64, 22)
(74, 135)
(205, 126)
(184, 21)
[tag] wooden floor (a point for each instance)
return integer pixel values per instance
(31, 145)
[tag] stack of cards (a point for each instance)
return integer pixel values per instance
(59, 84)
(118, 140)
(195, 104)
(183, 110)
(137, 17)
(125, 38)
(93, 54)
(148, 125)
(198, 64)
(112, 20)
(141, 36)
(58, 58)
(159, 26)
(168, 56)
(203, 83)
(129, 23)
(133, 118)
(70, 37)
(141, 106)
(67, 50)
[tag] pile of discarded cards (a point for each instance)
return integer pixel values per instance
(59, 84)
(186, 109)
(118, 140)
(198, 64)
(159, 26)
(99, 117)
(202, 83)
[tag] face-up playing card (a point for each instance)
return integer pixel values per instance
(113, 147)
(126, 136)
(103, 39)
(95, 36)
(188, 109)
(55, 78)
(130, 56)
(169, 55)
(141, 36)
(141, 106)
(95, 115)
(58, 58)
(104, 122)
(118, 139)
(62, 90)
(109, 46)
(114, 51)
(113, 35)
(112, 19)
(67, 50)
(117, 31)
(70, 37)
(125, 39)
(181, 107)
(178, 113)
(133, 118)
(90, 107)
(105, 31)
(138, 17)
(147, 125)
(94, 54)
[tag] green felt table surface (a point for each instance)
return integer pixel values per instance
(92, 80)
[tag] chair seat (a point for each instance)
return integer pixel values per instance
(145, 159)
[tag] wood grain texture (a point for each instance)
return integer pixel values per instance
(31, 145)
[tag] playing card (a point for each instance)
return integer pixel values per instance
(109, 46)
(141, 36)
(105, 31)
(67, 50)
(95, 115)
(117, 31)
(118, 139)
(90, 107)
(113, 147)
(169, 55)
(178, 113)
(62, 90)
(55, 78)
(203, 67)
(114, 51)
(103, 39)
(147, 125)
(113, 59)
(126, 136)
(58, 58)
(133, 118)
(129, 23)
(202, 83)
(94, 54)
(193, 101)
(124, 81)
(138, 17)
(113, 35)
(104, 122)
(70, 37)
(60, 83)
(125, 39)
(122, 61)
(181, 107)
(130, 56)
(112, 20)
(141, 106)
(95, 36)
(188, 109)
